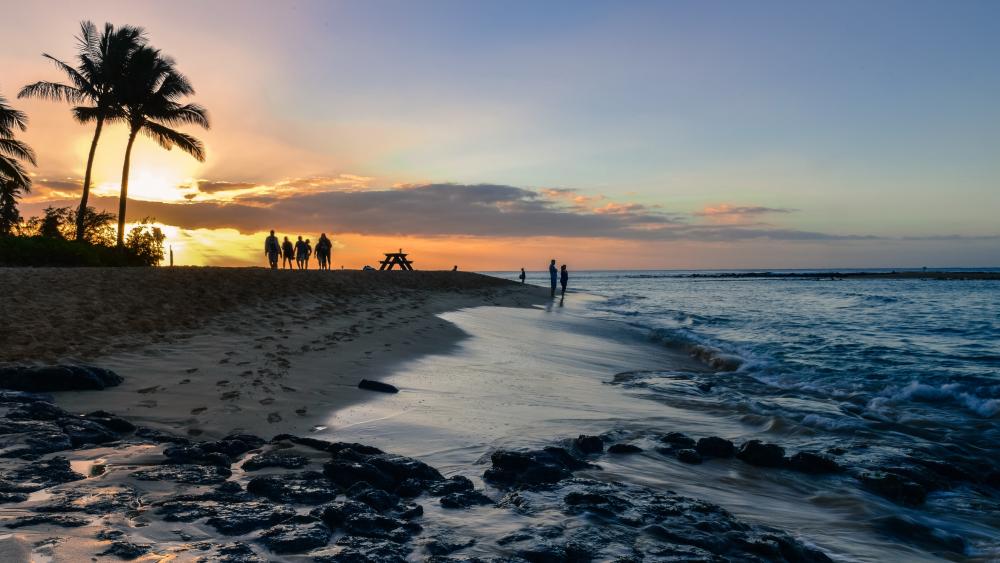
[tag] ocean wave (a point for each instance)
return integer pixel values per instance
(957, 393)
(707, 353)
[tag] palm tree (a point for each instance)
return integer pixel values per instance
(101, 61)
(13, 178)
(149, 94)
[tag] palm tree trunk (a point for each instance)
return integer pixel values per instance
(81, 215)
(123, 197)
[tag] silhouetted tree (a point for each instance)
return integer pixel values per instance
(14, 180)
(149, 93)
(98, 226)
(100, 64)
(145, 240)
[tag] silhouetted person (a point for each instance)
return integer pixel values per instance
(454, 268)
(300, 252)
(523, 275)
(287, 254)
(309, 251)
(563, 278)
(553, 275)
(272, 250)
(323, 251)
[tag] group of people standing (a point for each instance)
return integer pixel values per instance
(300, 251)
(557, 276)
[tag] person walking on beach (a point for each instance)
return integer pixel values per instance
(522, 276)
(272, 250)
(563, 279)
(300, 252)
(309, 251)
(323, 248)
(287, 254)
(554, 275)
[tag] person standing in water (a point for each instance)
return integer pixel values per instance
(554, 275)
(287, 255)
(522, 276)
(272, 250)
(563, 279)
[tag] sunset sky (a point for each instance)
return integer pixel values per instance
(495, 135)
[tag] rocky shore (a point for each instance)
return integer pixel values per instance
(96, 485)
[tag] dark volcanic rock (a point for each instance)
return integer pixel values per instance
(689, 456)
(713, 446)
(809, 462)
(57, 378)
(237, 552)
(41, 474)
(369, 385)
(160, 437)
(190, 474)
(347, 473)
(111, 422)
(356, 549)
(309, 487)
(678, 440)
(236, 519)
(465, 499)
(758, 453)
(38, 410)
(359, 519)
(589, 444)
(535, 467)
(296, 537)
(275, 459)
(443, 545)
(375, 498)
(624, 449)
(325, 446)
(195, 454)
(125, 549)
(894, 487)
(381, 470)
(184, 511)
(933, 539)
(81, 431)
(52, 519)
(13, 497)
(455, 484)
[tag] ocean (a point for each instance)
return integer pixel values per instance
(886, 375)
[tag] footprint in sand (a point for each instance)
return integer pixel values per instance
(199, 410)
(266, 401)
(184, 382)
(229, 395)
(148, 404)
(222, 382)
(195, 432)
(274, 417)
(152, 389)
(285, 388)
(191, 370)
(301, 412)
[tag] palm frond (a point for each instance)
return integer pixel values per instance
(16, 149)
(12, 171)
(168, 138)
(88, 42)
(82, 83)
(54, 91)
(175, 114)
(11, 118)
(90, 114)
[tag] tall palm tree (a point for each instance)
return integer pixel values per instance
(100, 63)
(13, 178)
(149, 93)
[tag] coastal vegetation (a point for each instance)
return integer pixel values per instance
(116, 78)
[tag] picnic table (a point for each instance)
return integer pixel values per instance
(396, 258)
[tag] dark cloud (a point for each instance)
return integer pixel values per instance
(726, 209)
(211, 187)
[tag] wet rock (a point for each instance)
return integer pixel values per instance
(57, 378)
(160, 437)
(455, 484)
(359, 519)
(689, 456)
(810, 462)
(894, 487)
(81, 431)
(195, 454)
(325, 446)
(190, 474)
(12, 497)
(309, 487)
(50, 519)
(758, 453)
(410, 511)
(377, 386)
(296, 537)
(588, 444)
(38, 410)
(624, 449)
(275, 459)
(124, 549)
(375, 498)
(102, 501)
(678, 440)
(400, 468)
(515, 468)
(184, 511)
(410, 488)
(237, 552)
(713, 446)
(242, 518)
(355, 549)
(347, 473)
(443, 545)
(465, 499)
(41, 474)
(111, 422)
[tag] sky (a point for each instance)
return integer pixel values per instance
(494, 135)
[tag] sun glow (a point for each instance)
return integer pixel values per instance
(149, 183)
